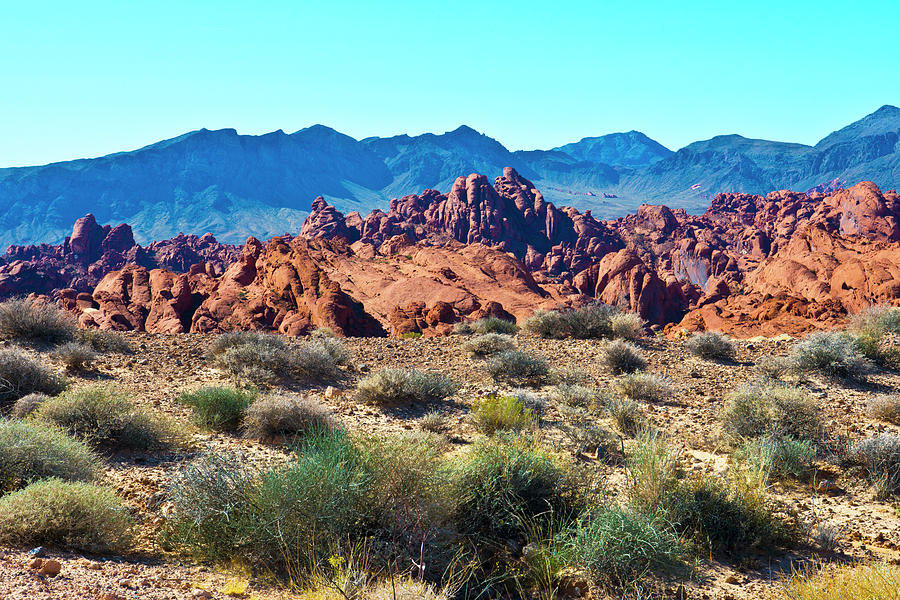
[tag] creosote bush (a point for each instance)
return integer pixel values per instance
(33, 321)
(21, 375)
(71, 515)
(768, 409)
(31, 451)
(217, 408)
(518, 368)
(711, 345)
(646, 387)
(489, 343)
(391, 387)
(75, 356)
(886, 407)
(495, 412)
(832, 353)
(107, 418)
(285, 415)
(623, 357)
(589, 321)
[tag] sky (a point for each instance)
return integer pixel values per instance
(82, 79)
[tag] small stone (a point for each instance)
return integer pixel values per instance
(35, 563)
(109, 596)
(331, 392)
(202, 594)
(732, 580)
(94, 566)
(50, 568)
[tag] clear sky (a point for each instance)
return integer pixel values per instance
(93, 77)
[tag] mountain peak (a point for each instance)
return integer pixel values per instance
(885, 120)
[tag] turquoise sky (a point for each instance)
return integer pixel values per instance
(89, 78)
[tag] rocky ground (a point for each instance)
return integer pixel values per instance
(163, 365)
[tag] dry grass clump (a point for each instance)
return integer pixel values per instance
(583, 430)
(71, 515)
(773, 367)
(26, 405)
(21, 375)
(271, 417)
(32, 321)
(31, 451)
(217, 408)
(573, 394)
(391, 387)
(518, 368)
(623, 357)
(75, 356)
(876, 332)
(489, 343)
(845, 582)
(832, 353)
(780, 457)
(587, 322)
(485, 326)
(434, 422)
(771, 410)
(265, 359)
(626, 413)
(886, 407)
(627, 326)
(107, 418)
(646, 387)
(495, 412)
(711, 345)
(880, 456)
(103, 341)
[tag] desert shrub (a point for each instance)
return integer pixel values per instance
(282, 415)
(626, 326)
(516, 367)
(390, 387)
(21, 375)
(831, 353)
(260, 358)
(26, 405)
(773, 367)
(323, 333)
(103, 341)
(32, 451)
(75, 356)
(880, 457)
(655, 473)
(646, 387)
(626, 413)
(505, 480)
(494, 325)
(71, 515)
(532, 401)
(582, 429)
(589, 321)
(618, 546)
(771, 410)
(489, 343)
(843, 582)
(575, 395)
(33, 321)
(217, 408)
(711, 345)
(411, 335)
(495, 412)
(105, 417)
(886, 407)
(782, 457)
(332, 346)
(623, 357)
(434, 422)
(317, 361)
(875, 332)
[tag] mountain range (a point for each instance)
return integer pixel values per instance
(238, 185)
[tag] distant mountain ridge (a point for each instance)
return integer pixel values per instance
(238, 185)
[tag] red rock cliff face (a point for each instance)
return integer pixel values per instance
(784, 262)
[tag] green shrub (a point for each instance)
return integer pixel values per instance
(880, 456)
(590, 321)
(33, 321)
(623, 357)
(711, 345)
(773, 367)
(32, 451)
(886, 407)
(519, 368)
(26, 405)
(281, 415)
(489, 343)
(105, 417)
(576, 395)
(495, 325)
(21, 375)
(494, 413)
(390, 387)
(71, 515)
(782, 457)
(617, 546)
(411, 335)
(75, 356)
(646, 387)
(506, 480)
(626, 413)
(831, 353)
(103, 341)
(217, 408)
(626, 326)
(771, 410)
